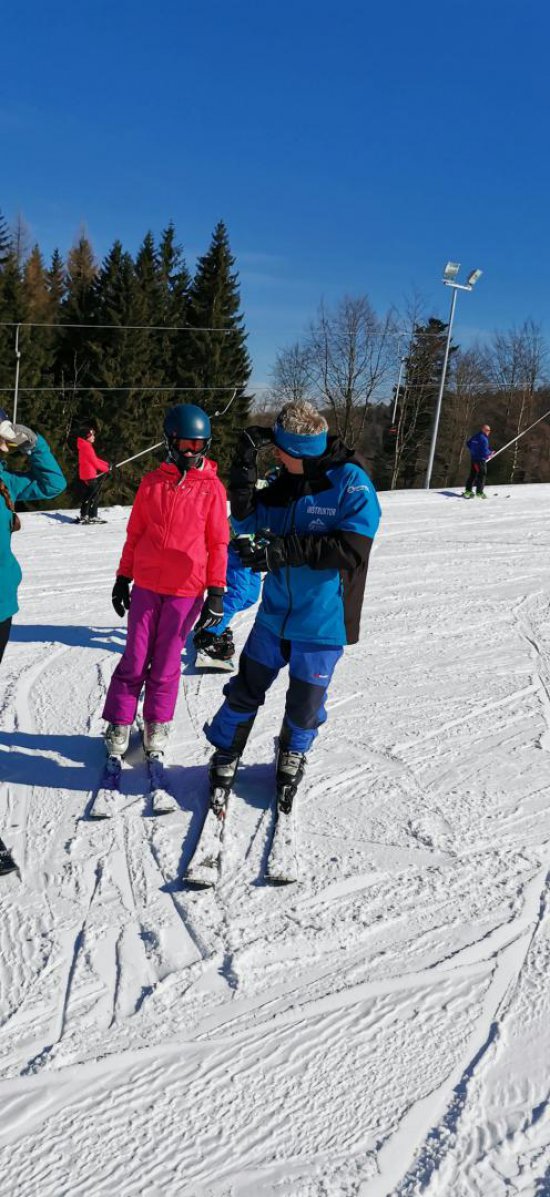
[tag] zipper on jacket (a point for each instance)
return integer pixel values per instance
(287, 570)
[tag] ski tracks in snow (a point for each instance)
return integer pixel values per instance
(380, 1029)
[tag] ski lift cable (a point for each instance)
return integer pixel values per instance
(115, 327)
(136, 387)
(517, 438)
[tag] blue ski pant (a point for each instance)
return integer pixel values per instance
(311, 667)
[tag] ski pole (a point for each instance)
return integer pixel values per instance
(517, 438)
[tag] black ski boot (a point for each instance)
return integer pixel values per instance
(214, 652)
(290, 770)
(7, 863)
(221, 773)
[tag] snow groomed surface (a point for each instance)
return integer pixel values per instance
(381, 1028)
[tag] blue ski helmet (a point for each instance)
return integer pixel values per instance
(185, 421)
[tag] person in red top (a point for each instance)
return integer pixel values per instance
(91, 470)
(175, 549)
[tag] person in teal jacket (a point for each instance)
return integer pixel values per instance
(43, 480)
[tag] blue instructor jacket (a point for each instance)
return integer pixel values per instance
(329, 517)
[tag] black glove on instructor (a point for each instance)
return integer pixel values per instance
(120, 597)
(265, 554)
(212, 609)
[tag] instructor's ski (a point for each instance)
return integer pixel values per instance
(282, 862)
(203, 869)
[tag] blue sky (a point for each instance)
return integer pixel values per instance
(349, 147)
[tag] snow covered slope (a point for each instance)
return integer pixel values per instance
(383, 1028)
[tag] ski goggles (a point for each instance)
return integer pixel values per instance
(185, 444)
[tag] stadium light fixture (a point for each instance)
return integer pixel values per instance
(449, 278)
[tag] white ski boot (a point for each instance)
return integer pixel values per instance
(117, 738)
(155, 738)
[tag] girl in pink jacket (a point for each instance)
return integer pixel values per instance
(91, 471)
(175, 550)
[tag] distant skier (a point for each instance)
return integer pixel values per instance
(480, 454)
(42, 480)
(91, 473)
(312, 531)
(175, 549)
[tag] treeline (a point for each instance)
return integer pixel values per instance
(117, 343)
(351, 359)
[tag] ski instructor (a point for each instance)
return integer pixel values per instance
(312, 530)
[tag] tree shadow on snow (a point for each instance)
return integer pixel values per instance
(113, 639)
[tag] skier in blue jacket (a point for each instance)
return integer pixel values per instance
(311, 531)
(480, 454)
(44, 480)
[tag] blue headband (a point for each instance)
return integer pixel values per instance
(298, 445)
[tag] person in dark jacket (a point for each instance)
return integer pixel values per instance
(311, 531)
(43, 480)
(480, 454)
(91, 473)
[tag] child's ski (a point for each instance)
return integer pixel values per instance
(107, 799)
(162, 801)
(282, 863)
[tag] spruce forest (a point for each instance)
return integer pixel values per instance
(115, 344)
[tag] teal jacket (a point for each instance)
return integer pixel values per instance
(44, 480)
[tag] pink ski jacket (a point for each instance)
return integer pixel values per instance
(178, 532)
(89, 464)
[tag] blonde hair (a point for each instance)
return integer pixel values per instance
(302, 418)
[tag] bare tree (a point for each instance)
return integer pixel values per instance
(514, 363)
(290, 376)
(466, 385)
(350, 352)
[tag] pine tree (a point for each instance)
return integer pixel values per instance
(122, 358)
(12, 312)
(38, 407)
(73, 356)
(217, 362)
(5, 241)
(175, 283)
(57, 283)
(422, 379)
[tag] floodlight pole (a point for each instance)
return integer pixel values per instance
(455, 288)
(17, 364)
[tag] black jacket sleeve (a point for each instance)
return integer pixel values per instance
(335, 550)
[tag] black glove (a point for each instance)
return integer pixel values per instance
(250, 442)
(120, 597)
(212, 609)
(266, 553)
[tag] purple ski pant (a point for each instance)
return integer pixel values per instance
(158, 625)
